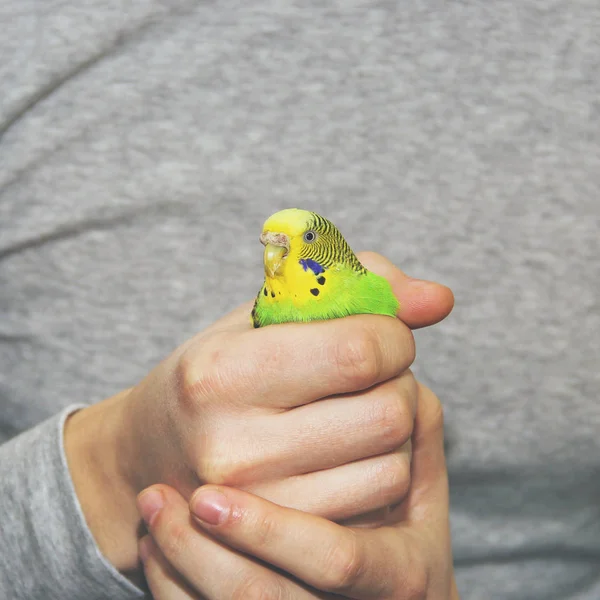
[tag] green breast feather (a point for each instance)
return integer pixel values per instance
(319, 277)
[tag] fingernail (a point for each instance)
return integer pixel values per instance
(144, 548)
(210, 506)
(150, 503)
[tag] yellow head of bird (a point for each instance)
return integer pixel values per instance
(282, 233)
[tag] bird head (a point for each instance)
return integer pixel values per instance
(300, 237)
(284, 233)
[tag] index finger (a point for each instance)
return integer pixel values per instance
(289, 365)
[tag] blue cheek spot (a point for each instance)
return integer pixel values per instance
(313, 265)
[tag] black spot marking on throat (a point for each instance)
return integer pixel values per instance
(314, 291)
(265, 291)
(272, 294)
(321, 280)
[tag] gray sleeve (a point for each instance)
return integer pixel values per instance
(47, 550)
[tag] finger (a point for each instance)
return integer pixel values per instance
(358, 563)
(357, 488)
(422, 303)
(335, 431)
(201, 563)
(164, 582)
(289, 365)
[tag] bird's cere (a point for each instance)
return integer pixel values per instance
(275, 239)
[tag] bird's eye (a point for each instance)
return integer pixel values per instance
(310, 236)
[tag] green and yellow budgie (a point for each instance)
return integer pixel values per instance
(312, 274)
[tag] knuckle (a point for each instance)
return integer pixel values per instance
(266, 530)
(343, 564)
(392, 478)
(214, 464)
(224, 459)
(176, 539)
(258, 587)
(198, 378)
(222, 464)
(392, 420)
(358, 359)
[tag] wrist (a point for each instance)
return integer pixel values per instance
(94, 439)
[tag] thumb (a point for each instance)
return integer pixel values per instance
(422, 303)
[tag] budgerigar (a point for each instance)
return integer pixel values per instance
(312, 274)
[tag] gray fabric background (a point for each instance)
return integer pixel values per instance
(143, 143)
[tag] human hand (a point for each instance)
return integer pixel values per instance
(235, 406)
(237, 545)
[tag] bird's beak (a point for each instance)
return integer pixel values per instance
(274, 256)
(277, 246)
